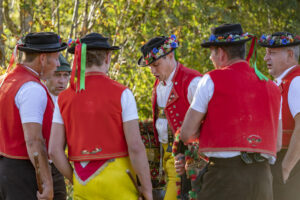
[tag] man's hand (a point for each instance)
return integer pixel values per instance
(47, 192)
(285, 172)
(180, 164)
(147, 194)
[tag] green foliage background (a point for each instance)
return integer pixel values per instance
(129, 23)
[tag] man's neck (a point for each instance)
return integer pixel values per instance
(94, 68)
(234, 60)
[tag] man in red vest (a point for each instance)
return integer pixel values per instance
(241, 111)
(57, 83)
(97, 118)
(26, 117)
(172, 94)
(282, 55)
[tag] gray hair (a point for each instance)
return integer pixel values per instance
(296, 50)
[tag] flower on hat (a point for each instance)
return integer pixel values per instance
(170, 44)
(284, 41)
(154, 50)
(212, 38)
(173, 44)
(278, 39)
(227, 38)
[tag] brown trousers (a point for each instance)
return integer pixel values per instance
(232, 179)
(18, 182)
(290, 190)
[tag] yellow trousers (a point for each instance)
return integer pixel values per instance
(110, 184)
(169, 168)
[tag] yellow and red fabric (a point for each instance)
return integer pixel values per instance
(110, 182)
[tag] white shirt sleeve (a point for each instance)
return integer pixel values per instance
(31, 100)
(192, 88)
(203, 94)
(57, 118)
(129, 110)
(294, 96)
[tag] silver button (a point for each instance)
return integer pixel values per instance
(174, 106)
(177, 114)
(176, 83)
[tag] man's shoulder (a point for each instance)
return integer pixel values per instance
(188, 71)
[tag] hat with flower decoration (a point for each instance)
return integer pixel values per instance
(279, 39)
(157, 48)
(226, 34)
(232, 34)
(79, 47)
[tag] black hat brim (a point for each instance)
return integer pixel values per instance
(142, 63)
(279, 45)
(36, 50)
(209, 44)
(90, 47)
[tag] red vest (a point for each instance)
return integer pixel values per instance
(12, 142)
(93, 119)
(288, 122)
(177, 103)
(242, 114)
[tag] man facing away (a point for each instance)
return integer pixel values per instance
(100, 126)
(56, 84)
(282, 55)
(239, 132)
(172, 94)
(26, 117)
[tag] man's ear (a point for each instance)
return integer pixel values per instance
(291, 54)
(171, 55)
(108, 57)
(42, 58)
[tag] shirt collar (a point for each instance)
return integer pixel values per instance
(31, 70)
(278, 80)
(169, 80)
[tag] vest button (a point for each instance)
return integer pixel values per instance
(176, 83)
(171, 111)
(174, 106)
(174, 120)
(177, 114)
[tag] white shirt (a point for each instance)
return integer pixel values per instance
(163, 92)
(128, 104)
(31, 100)
(293, 93)
(203, 95)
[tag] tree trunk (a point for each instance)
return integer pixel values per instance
(85, 19)
(74, 20)
(58, 19)
(26, 18)
(8, 22)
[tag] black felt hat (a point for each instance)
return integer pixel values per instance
(226, 34)
(279, 39)
(42, 42)
(157, 48)
(94, 41)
